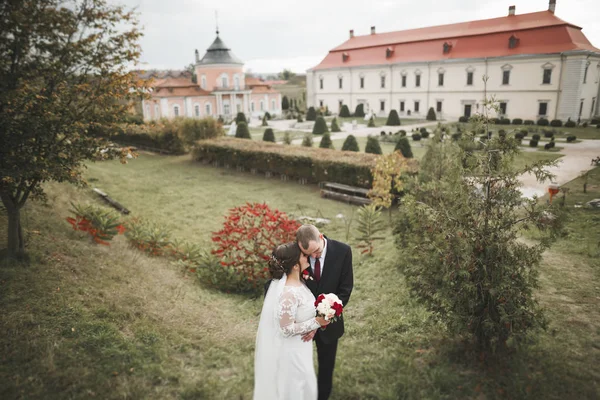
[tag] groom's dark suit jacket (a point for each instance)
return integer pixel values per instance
(336, 278)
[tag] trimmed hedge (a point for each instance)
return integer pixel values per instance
(431, 115)
(570, 124)
(463, 119)
(344, 112)
(320, 126)
(326, 142)
(549, 134)
(269, 136)
(543, 122)
(335, 127)
(557, 123)
(424, 133)
(517, 121)
(373, 146)
(535, 137)
(528, 122)
(393, 118)
(350, 144)
(360, 110)
(242, 131)
(403, 145)
(503, 121)
(416, 137)
(533, 143)
(311, 114)
(240, 117)
(571, 138)
(313, 164)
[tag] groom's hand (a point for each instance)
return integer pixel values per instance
(307, 337)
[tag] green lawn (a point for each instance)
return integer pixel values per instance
(379, 121)
(257, 134)
(418, 148)
(85, 320)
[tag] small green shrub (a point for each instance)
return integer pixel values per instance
(557, 123)
(535, 137)
(503, 121)
(517, 121)
(533, 143)
(240, 118)
(268, 116)
(403, 145)
(373, 146)
(334, 125)
(326, 142)
(393, 118)
(416, 137)
(300, 118)
(242, 131)
(307, 141)
(350, 144)
(424, 133)
(320, 126)
(528, 122)
(570, 124)
(463, 119)
(344, 112)
(431, 115)
(359, 112)
(571, 138)
(311, 114)
(269, 136)
(549, 134)
(543, 122)
(371, 123)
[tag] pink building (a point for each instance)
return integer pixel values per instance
(222, 90)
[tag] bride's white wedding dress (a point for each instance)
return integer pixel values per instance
(283, 364)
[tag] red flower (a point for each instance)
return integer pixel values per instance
(319, 299)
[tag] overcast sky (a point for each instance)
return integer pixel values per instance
(270, 35)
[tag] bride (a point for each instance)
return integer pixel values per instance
(283, 362)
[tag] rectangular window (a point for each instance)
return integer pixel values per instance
(505, 77)
(547, 76)
(543, 109)
(401, 106)
(469, 78)
(176, 111)
(383, 82)
(226, 109)
(224, 82)
(362, 83)
(207, 109)
(416, 106)
(502, 108)
(252, 106)
(320, 103)
(382, 105)
(321, 83)
(438, 106)
(341, 83)
(585, 73)
(403, 80)
(440, 79)
(418, 81)
(197, 110)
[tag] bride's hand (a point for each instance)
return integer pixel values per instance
(322, 321)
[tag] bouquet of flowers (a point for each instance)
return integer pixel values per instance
(329, 306)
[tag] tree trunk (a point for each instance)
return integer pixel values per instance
(15, 242)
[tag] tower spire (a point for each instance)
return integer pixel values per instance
(217, 21)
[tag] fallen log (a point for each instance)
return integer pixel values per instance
(112, 202)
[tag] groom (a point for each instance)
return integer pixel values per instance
(331, 272)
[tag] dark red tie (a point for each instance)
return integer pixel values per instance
(317, 269)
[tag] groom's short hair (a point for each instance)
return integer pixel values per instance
(306, 233)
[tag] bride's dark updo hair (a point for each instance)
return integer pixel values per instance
(283, 259)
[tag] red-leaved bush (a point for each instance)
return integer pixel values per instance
(244, 245)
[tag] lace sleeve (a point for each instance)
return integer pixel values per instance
(286, 312)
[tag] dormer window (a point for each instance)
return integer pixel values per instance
(513, 42)
(388, 52)
(345, 57)
(447, 47)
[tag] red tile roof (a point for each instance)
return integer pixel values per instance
(263, 89)
(194, 90)
(250, 81)
(538, 33)
(174, 82)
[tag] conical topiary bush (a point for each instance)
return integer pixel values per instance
(242, 131)
(269, 136)
(373, 146)
(350, 144)
(403, 145)
(334, 126)
(320, 126)
(393, 118)
(326, 142)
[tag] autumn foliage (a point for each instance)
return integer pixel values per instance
(244, 244)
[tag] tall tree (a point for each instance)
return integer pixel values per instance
(63, 73)
(286, 74)
(192, 70)
(285, 104)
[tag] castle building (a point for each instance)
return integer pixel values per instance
(537, 66)
(222, 90)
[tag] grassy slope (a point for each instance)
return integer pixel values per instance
(123, 325)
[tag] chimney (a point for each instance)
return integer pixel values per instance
(372, 30)
(351, 33)
(511, 10)
(552, 6)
